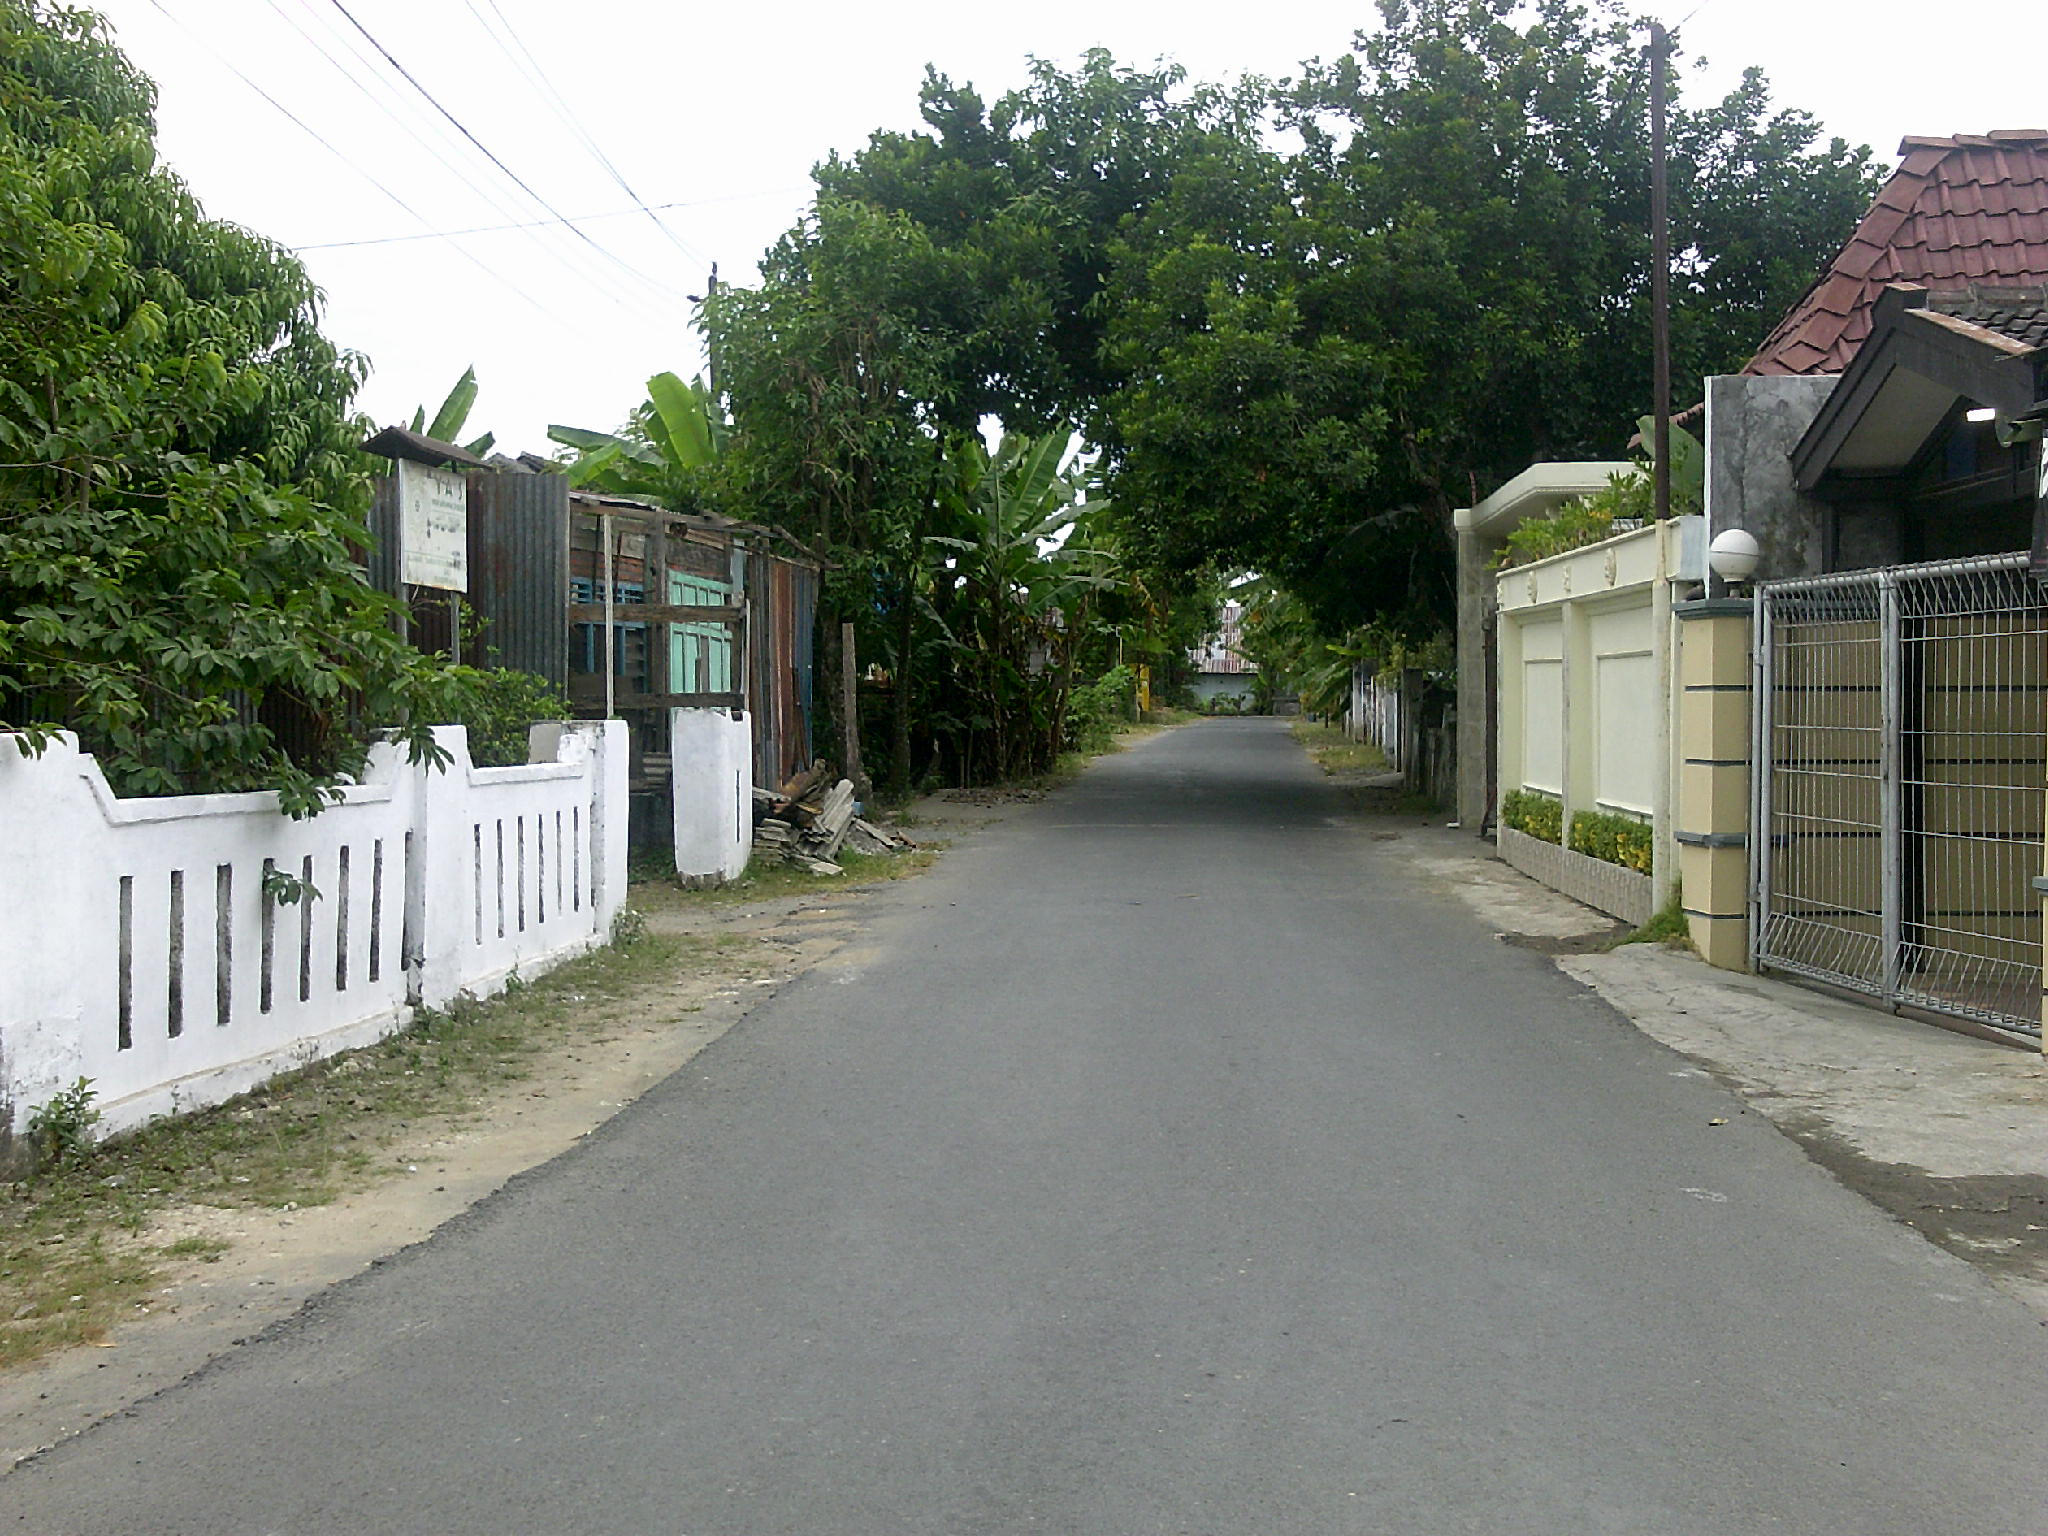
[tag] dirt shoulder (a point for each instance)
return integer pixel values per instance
(360, 1157)
(141, 1263)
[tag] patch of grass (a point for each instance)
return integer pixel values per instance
(1666, 926)
(72, 1261)
(204, 1249)
(1334, 752)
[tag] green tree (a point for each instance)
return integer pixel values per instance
(1448, 281)
(181, 497)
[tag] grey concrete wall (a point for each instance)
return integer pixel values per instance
(1752, 426)
(1475, 705)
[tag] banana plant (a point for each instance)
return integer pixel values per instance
(677, 429)
(454, 415)
(1018, 572)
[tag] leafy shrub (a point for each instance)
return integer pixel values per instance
(182, 490)
(1534, 813)
(500, 705)
(1632, 496)
(1619, 840)
(1095, 710)
(62, 1127)
(1578, 523)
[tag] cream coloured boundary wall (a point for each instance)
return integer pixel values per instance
(1587, 706)
(139, 947)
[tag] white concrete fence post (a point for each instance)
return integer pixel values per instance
(712, 763)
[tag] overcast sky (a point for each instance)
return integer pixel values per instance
(714, 116)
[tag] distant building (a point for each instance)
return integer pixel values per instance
(1219, 666)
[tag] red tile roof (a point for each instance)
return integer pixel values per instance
(1958, 211)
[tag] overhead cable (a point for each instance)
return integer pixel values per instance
(539, 77)
(320, 139)
(584, 218)
(484, 150)
(426, 131)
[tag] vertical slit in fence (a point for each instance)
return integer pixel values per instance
(500, 825)
(519, 836)
(540, 869)
(269, 939)
(223, 944)
(476, 850)
(558, 861)
(341, 865)
(124, 1024)
(376, 908)
(174, 988)
(576, 852)
(306, 929)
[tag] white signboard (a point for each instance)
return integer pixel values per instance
(433, 518)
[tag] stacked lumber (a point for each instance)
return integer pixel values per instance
(805, 824)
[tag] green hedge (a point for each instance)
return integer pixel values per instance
(502, 705)
(1617, 839)
(1536, 814)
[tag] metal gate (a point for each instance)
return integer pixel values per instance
(1901, 731)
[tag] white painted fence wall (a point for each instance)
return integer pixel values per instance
(140, 948)
(711, 763)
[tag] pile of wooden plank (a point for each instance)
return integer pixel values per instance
(805, 824)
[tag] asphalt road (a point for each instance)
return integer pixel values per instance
(1168, 1165)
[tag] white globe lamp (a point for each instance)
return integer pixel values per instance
(1733, 555)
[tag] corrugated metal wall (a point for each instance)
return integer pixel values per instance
(519, 572)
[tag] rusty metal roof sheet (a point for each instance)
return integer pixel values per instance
(1970, 210)
(403, 443)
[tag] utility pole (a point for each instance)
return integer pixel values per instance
(1660, 279)
(710, 342)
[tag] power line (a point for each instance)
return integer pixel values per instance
(426, 131)
(338, 154)
(539, 76)
(493, 229)
(461, 128)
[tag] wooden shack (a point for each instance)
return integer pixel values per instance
(628, 608)
(675, 609)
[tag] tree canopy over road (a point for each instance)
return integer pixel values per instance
(1300, 320)
(1284, 326)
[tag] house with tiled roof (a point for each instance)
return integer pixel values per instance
(1962, 221)
(1960, 211)
(1927, 446)
(1884, 447)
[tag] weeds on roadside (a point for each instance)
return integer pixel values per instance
(61, 1128)
(1334, 752)
(1666, 926)
(766, 880)
(73, 1258)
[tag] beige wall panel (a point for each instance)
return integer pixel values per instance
(1713, 653)
(1714, 880)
